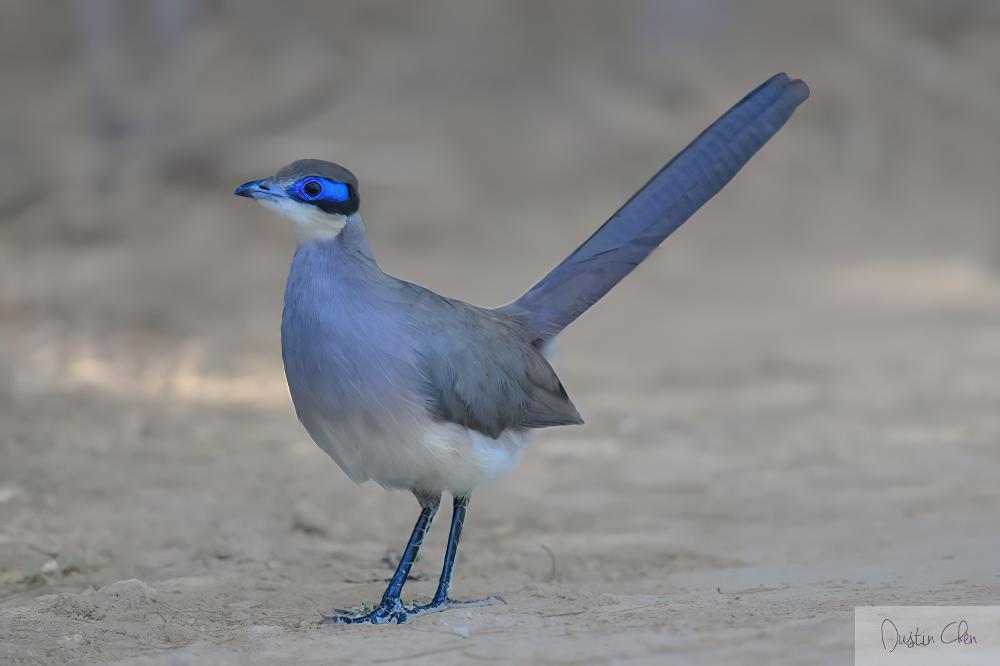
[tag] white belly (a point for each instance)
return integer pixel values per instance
(418, 454)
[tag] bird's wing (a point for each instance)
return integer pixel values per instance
(482, 373)
(674, 194)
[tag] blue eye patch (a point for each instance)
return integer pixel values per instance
(314, 188)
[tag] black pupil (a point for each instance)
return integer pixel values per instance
(312, 188)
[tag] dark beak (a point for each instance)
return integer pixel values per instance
(255, 189)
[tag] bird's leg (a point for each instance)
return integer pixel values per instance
(391, 609)
(441, 599)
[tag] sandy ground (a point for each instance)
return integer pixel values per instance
(792, 409)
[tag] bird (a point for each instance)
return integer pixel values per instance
(421, 392)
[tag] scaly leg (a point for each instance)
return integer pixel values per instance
(391, 608)
(441, 599)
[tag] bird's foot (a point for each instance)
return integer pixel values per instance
(437, 605)
(392, 611)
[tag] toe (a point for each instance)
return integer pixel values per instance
(337, 619)
(382, 615)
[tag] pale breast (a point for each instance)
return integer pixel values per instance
(353, 359)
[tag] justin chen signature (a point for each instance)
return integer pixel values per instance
(955, 632)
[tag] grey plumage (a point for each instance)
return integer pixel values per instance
(367, 353)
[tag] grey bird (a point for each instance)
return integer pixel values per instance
(426, 393)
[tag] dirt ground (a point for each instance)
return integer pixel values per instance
(792, 409)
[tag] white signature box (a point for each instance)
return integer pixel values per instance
(941, 635)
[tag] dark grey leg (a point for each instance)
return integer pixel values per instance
(441, 599)
(457, 520)
(391, 608)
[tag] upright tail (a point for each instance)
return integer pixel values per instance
(673, 195)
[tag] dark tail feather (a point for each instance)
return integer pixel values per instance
(674, 194)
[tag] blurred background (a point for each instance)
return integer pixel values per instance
(792, 407)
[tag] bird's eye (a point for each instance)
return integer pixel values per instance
(312, 188)
(315, 189)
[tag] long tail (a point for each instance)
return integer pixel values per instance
(672, 196)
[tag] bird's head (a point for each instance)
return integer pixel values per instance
(317, 196)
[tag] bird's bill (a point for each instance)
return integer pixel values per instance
(258, 189)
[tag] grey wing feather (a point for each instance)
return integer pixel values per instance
(483, 373)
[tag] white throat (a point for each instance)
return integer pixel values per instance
(310, 223)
